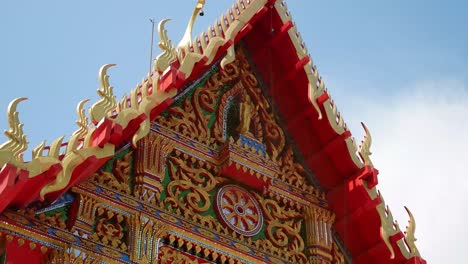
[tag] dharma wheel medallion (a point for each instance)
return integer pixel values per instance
(239, 210)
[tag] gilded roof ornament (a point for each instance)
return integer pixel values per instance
(364, 149)
(107, 103)
(187, 38)
(409, 233)
(16, 143)
(83, 126)
(169, 52)
(37, 151)
(82, 121)
(389, 226)
(313, 95)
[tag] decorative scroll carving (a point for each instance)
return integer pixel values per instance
(192, 117)
(283, 229)
(191, 182)
(119, 178)
(111, 229)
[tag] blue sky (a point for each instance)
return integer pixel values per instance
(400, 66)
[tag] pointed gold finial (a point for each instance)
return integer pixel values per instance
(100, 109)
(187, 38)
(410, 232)
(364, 149)
(16, 139)
(169, 52)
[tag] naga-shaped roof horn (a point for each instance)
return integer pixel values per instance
(187, 38)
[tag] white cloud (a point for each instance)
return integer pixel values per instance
(420, 146)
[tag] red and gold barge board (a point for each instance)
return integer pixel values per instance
(230, 151)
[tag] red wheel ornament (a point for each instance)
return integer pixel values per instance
(239, 210)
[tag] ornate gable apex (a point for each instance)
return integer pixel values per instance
(227, 112)
(362, 219)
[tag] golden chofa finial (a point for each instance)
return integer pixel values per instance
(16, 143)
(364, 149)
(107, 103)
(187, 38)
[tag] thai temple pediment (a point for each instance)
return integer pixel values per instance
(230, 151)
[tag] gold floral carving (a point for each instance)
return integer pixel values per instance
(111, 229)
(191, 181)
(192, 117)
(119, 178)
(283, 229)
